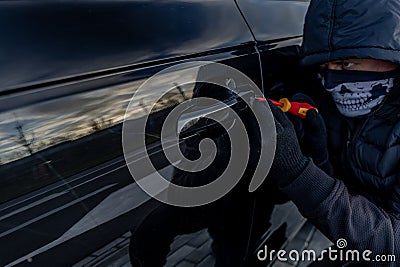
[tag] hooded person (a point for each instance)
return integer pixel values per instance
(356, 43)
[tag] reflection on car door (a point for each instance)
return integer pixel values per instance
(72, 68)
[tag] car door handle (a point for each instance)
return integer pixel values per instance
(190, 118)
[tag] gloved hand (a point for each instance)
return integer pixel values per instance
(289, 162)
(312, 135)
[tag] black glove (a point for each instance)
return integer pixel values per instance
(289, 162)
(312, 135)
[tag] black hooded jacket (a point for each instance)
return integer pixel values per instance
(339, 29)
(343, 29)
(362, 206)
(365, 151)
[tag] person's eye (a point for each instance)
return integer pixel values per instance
(347, 65)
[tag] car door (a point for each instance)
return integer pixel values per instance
(69, 70)
(277, 27)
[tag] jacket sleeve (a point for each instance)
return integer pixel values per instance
(394, 201)
(337, 213)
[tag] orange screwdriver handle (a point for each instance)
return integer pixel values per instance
(296, 108)
(300, 109)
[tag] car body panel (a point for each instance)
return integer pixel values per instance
(49, 40)
(68, 74)
(77, 157)
(272, 20)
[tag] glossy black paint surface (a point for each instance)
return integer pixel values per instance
(68, 71)
(272, 20)
(49, 40)
(76, 154)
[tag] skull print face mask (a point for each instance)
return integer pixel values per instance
(356, 93)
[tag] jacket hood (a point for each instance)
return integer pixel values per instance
(340, 29)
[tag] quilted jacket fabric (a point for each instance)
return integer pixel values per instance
(337, 29)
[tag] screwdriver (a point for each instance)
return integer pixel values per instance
(296, 108)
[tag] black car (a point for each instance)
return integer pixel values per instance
(68, 71)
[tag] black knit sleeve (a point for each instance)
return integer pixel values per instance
(342, 215)
(394, 200)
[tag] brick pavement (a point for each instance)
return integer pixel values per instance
(194, 250)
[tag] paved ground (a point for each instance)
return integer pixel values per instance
(194, 250)
(308, 238)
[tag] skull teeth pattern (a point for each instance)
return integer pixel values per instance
(358, 104)
(350, 102)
